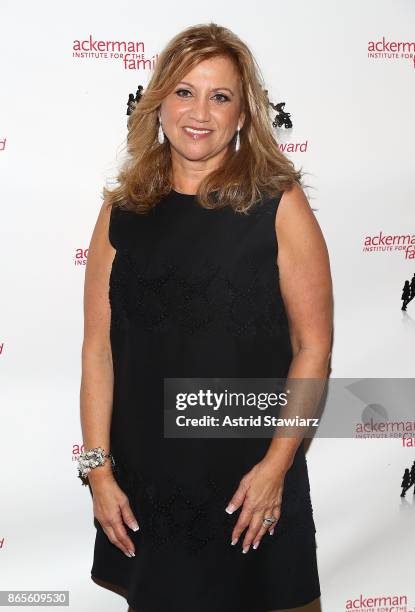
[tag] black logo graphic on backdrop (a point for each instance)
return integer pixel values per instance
(281, 118)
(408, 480)
(133, 100)
(408, 292)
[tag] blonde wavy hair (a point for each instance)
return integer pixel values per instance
(258, 167)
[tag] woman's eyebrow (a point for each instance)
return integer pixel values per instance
(215, 89)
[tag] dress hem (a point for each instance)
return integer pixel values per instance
(131, 604)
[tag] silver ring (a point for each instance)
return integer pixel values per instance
(269, 521)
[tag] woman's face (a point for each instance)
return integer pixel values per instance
(208, 99)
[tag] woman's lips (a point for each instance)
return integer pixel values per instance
(196, 135)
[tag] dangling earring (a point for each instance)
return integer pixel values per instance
(237, 143)
(160, 133)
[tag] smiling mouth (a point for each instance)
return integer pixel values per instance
(190, 130)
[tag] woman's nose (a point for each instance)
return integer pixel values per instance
(200, 110)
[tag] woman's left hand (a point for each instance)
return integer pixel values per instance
(260, 493)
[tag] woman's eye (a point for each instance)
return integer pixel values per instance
(224, 98)
(181, 90)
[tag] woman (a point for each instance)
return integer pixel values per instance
(187, 243)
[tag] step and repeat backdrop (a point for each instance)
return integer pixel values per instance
(341, 78)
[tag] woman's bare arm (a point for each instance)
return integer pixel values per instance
(96, 393)
(306, 288)
(111, 505)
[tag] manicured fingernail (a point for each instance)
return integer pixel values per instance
(134, 526)
(132, 553)
(230, 508)
(234, 541)
(255, 546)
(271, 532)
(245, 550)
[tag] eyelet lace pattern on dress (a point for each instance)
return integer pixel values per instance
(193, 516)
(171, 299)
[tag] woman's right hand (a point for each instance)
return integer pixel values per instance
(112, 509)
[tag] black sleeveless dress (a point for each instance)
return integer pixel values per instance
(195, 293)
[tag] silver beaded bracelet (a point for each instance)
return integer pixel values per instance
(92, 458)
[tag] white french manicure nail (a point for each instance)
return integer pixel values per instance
(230, 508)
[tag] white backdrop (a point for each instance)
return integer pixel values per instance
(62, 132)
